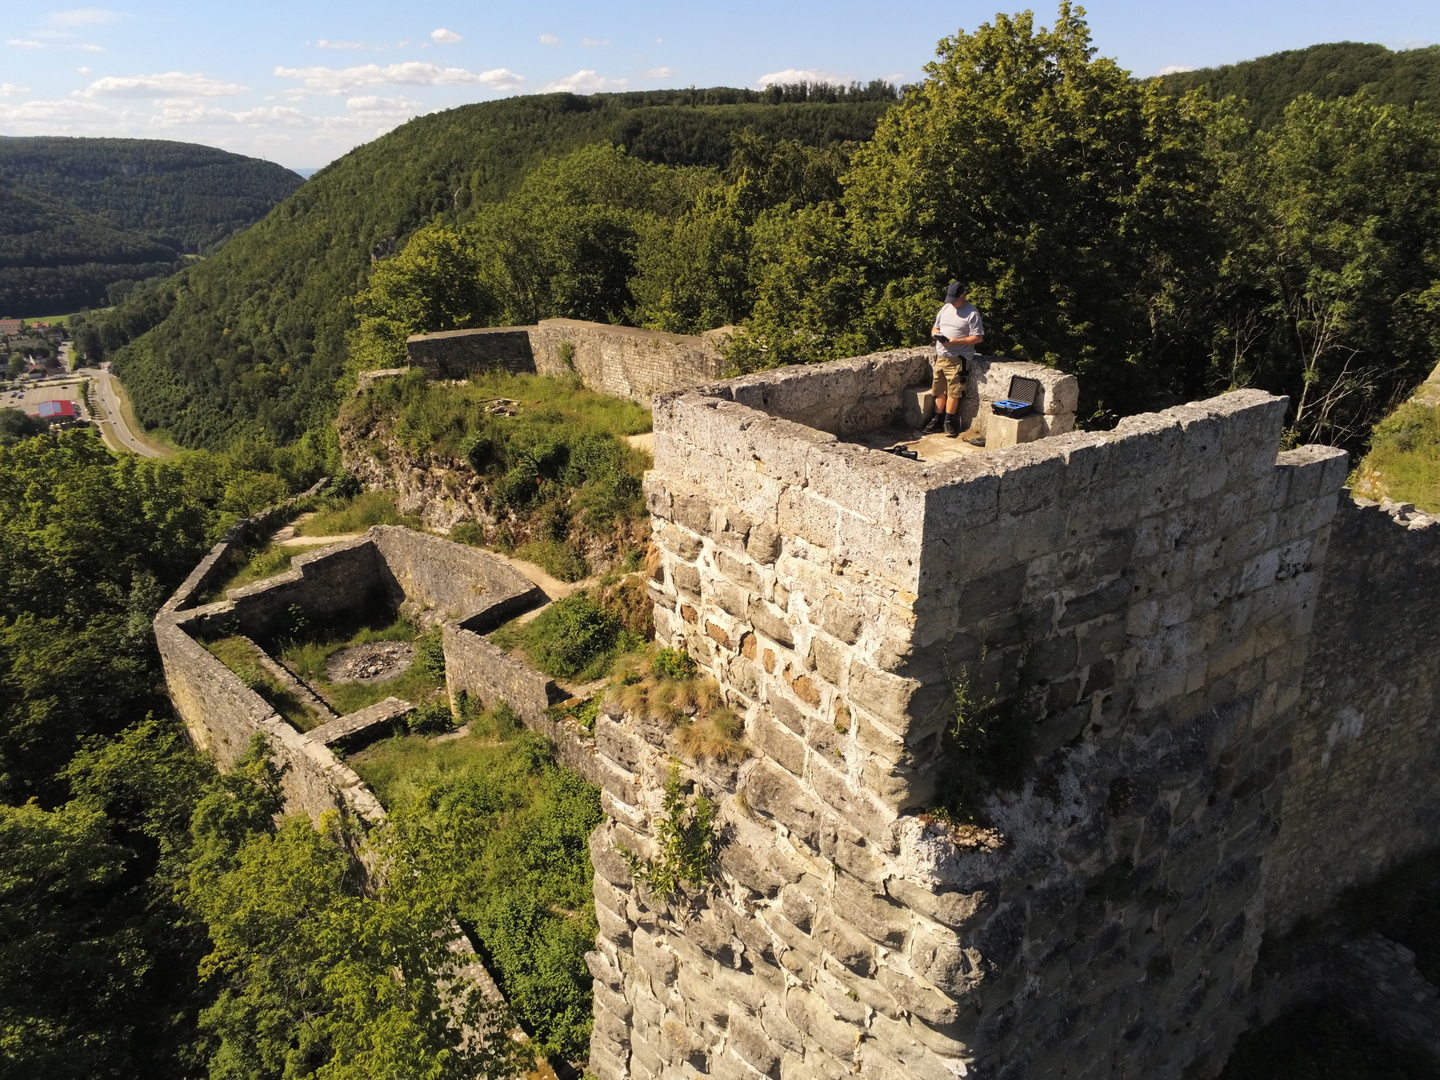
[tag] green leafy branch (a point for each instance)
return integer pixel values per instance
(687, 838)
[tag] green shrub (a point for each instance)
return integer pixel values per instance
(574, 638)
(432, 718)
(355, 515)
(556, 559)
(430, 654)
(673, 664)
(468, 532)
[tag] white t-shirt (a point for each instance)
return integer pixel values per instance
(953, 323)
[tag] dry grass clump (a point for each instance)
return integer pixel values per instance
(665, 686)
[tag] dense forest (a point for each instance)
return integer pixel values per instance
(1158, 238)
(81, 216)
(1268, 84)
(257, 337)
(1161, 245)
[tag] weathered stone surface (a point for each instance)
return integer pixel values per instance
(1192, 638)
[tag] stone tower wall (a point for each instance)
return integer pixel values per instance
(1148, 593)
(621, 361)
(1363, 791)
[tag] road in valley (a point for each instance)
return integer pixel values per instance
(111, 417)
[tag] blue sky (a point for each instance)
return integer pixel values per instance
(303, 82)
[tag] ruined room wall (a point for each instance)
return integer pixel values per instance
(455, 354)
(440, 579)
(489, 673)
(621, 361)
(867, 392)
(219, 561)
(625, 362)
(1363, 794)
(1157, 582)
(222, 715)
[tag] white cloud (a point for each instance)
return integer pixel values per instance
(83, 70)
(1175, 69)
(11, 90)
(587, 82)
(373, 105)
(58, 117)
(83, 17)
(593, 43)
(660, 73)
(20, 43)
(327, 80)
(549, 39)
(445, 37)
(171, 84)
(324, 44)
(189, 114)
(91, 48)
(797, 75)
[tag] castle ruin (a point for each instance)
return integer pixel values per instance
(1223, 669)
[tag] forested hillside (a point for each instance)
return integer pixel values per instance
(258, 336)
(1159, 245)
(1345, 68)
(155, 918)
(83, 214)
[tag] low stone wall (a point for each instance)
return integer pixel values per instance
(223, 715)
(442, 580)
(392, 564)
(456, 354)
(625, 362)
(219, 561)
(487, 672)
(621, 361)
(1363, 795)
(883, 389)
(328, 585)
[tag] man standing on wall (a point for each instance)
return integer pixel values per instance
(956, 332)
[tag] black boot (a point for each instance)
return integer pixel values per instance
(951, 428)
(933, 426)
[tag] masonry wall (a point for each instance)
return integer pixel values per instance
(388, 564)
(617, 360)
(1362, 794)
(330, 584)
(442, 580)
(1147, 594)
(223, 715)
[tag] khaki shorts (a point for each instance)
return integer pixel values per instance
(949, 376)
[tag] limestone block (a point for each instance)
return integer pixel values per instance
(813, 1016)
(749, 1040)
(770, 621)
(957, 910)
(919, 998)
(917, 405)
(1003, 431)
(893, 1042)
(849, 948)
(770, 790)
(855, 806)
(776, 742)
(870, 911)
(840, 619)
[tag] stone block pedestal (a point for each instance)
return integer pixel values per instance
(1002, 431)
(919, 406)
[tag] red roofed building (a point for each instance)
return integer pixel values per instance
(57, 412)
(9, 326)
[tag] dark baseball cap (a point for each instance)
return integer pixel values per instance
(954, 289)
